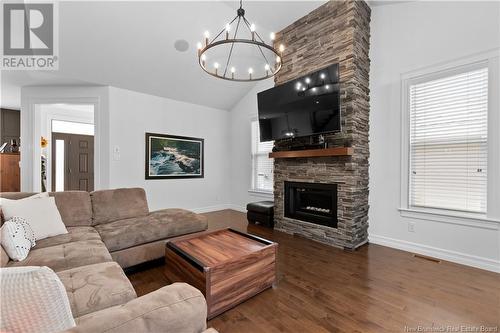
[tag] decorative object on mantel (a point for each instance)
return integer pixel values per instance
(170, 156)
(268, 60)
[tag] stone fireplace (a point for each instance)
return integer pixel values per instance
(336, 32)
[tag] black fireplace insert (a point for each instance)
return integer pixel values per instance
(312, 202)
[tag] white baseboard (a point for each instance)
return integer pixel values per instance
(211, 208)
(218, 207)
(238, 208)
(453, 256)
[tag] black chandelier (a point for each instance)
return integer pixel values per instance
(225, 43)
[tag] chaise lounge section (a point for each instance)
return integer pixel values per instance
(107, 231)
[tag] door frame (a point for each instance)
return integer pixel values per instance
(47, 118)
(31, 99)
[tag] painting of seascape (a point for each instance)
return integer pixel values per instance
(169, 156)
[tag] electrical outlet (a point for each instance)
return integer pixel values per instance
(411, 226)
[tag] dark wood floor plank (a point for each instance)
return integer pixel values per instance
(373, 289)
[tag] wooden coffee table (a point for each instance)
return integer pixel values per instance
(227, 266)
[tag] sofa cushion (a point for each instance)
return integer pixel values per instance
(75, 207)
(157, 225)
(4, 257)
(75, 234)
(118, 204)
(66, 256)
(178, 308)
(140, 253)
(95, 287)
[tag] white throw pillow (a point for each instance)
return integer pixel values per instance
(38, 195)
(34, 196)
(17, 238)
(41, 214)
(33, 300)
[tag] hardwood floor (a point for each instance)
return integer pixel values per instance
(373, 289)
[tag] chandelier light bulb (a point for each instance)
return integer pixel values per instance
(322, 76)
(199, 46)
(278, 59)
(233, 69)
(216, 65)
(327, 87)
(252, 27)
(250, 70)
(308, 80)
(228, 27)
(266, 67)
(282, 48)
(272, 36)
(207, 36)
(299, 85)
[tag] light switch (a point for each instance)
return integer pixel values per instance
(116, 153)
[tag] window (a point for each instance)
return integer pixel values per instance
(262, 165)
(62, 126)
(448, 139)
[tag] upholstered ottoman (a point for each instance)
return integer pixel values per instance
(261, 212)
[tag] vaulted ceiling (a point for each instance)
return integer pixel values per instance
(130, 45)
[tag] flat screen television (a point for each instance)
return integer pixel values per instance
(306, 106)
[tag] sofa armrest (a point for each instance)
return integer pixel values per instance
(178, 307)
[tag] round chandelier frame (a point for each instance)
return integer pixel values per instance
(226, 73)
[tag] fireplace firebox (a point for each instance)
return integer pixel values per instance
(311, 202)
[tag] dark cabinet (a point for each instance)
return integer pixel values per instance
(10, 126)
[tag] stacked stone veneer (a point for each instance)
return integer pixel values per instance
(337, 32)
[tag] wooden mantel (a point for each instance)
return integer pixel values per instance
(339, 151)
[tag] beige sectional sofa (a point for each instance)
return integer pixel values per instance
(109, 230)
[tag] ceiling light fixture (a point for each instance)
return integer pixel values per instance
(271, 61)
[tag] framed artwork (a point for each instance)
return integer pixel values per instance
(171, 156)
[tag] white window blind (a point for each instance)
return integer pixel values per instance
(262, 165)
(448, 141)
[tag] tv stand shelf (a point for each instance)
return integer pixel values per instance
(339, 151)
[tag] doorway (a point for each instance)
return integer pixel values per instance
(67, 147)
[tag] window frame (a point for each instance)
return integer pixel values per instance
(491, 61)
(253, 189)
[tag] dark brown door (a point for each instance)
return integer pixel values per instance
(78, 161)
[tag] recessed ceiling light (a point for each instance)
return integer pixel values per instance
(181, 45)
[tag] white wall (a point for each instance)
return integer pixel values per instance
(133, 114)
(241, 148)
(407, 37)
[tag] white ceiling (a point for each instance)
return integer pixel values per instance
(130, 45)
